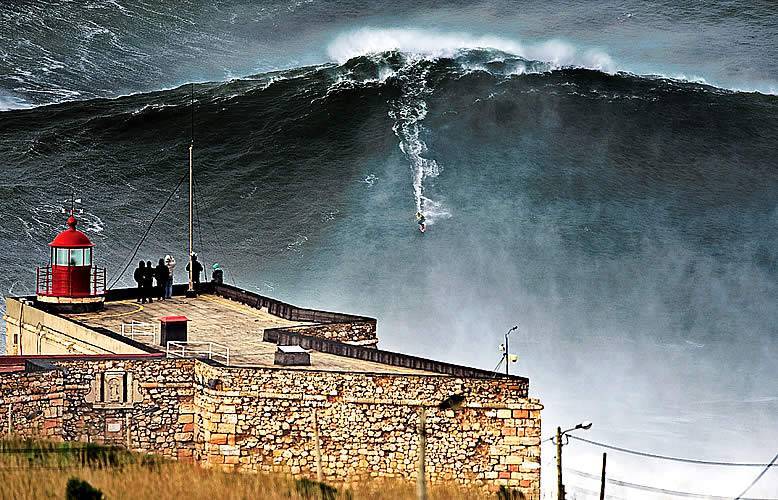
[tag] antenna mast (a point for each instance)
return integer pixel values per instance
(72, 201)
(191, 291)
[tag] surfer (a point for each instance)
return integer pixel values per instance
(421, 221)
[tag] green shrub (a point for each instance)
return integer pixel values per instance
(81, 490)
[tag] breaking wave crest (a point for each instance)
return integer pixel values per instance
(555, 53)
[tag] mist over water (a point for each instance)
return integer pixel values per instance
(627, 224)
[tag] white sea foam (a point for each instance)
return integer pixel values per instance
(296, 245)
(555, 53)
(370, 180)
(9, 102)
(438, 44)
(152, 107)
(408, 111)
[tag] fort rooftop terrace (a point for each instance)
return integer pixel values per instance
(230, 326)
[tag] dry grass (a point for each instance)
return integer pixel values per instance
(35, 474)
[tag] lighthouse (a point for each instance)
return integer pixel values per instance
(71, 283)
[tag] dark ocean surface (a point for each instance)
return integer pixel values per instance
(604, 175)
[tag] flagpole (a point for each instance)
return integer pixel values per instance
(191, 291)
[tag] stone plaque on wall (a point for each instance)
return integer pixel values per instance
(114, 431)
(113, 425)
(114, 389)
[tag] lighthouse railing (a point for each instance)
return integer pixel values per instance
(98, 280)
(49, 283)
(43, 280)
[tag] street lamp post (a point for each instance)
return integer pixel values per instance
(586, 425)
(506, 355)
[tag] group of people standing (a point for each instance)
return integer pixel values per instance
(146, 274)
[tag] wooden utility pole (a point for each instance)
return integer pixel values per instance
(602, 479)
(127, 435)
(560, 486)
(319, 475)
(421, 476)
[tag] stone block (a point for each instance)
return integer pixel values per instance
(229, 450)
(504, 414)
(218, 439)
(225, 428)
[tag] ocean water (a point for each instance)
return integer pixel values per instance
(602, 175)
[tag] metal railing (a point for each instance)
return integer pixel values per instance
(197, 349)
(135, 329)
(46, 283)
(98, 280)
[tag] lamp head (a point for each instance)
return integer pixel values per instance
(585, 425)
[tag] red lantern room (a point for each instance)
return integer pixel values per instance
(70, 282)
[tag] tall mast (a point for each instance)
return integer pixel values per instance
(191, 190)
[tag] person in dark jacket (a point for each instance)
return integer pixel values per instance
(217, 276)
(161, 274)
(149, 281)
(197, 268)
(140, 279)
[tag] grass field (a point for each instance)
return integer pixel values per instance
(39, 469)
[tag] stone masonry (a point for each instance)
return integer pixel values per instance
(261, 419)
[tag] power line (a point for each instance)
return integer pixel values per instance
(772, 462)
(675, 459)
(197, 212)
(593, 493)
(146, 233)
(653, 489)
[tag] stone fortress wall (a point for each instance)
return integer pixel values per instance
(87, 384)
(261, 419)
